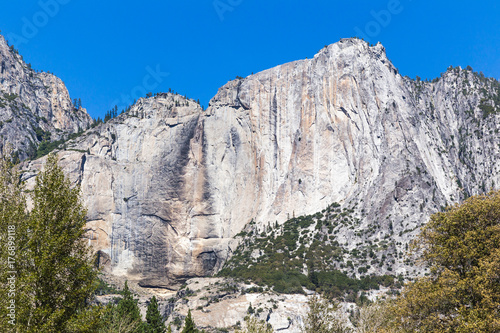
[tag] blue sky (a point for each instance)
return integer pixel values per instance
(110, 52)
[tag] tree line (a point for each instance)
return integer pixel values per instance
(48, 278)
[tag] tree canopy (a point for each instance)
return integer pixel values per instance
(52, 269)
(461, 248)
(154, 320)
(189, 325)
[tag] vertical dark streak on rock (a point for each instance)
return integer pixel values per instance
(238, 100)
(273, 120)
(207, 195)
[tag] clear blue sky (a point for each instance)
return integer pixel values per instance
(106, 49)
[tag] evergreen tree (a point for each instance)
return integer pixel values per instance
(154, 320)
(12, 214)
(313, 275)
(55, 276)
(189, 326)
(114, 322)
(127, 306)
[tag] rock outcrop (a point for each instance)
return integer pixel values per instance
(34, 106)
(168, 185)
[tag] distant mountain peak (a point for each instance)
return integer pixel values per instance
(34, 107)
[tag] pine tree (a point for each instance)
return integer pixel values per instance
(127, 306)
(313, 275)
(154, 320)
(189, 326)
(125, 316)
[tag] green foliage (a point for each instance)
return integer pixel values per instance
(55, 277)
(115, 322)
(127, 306)
(284, 255)
(87, 320)
(487, 108)
(113, 113)
(324, 317)
(42, 135)
(189, 326)
(104, 288)
(490, 104)
(10, 97)
(154, 320)
(253, 325)
(46, 147)
(12, 215)
(462, 293)
(123, 317)
(373, 318)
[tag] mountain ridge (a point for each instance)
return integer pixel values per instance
(35, 105)
(169, 185)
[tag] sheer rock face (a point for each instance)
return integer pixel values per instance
(30, 100)
(143, 179)
(168, 185)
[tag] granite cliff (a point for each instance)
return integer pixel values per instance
(34, 106)
(168, 185)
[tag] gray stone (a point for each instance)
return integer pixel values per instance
(169, 186)
(30, 100)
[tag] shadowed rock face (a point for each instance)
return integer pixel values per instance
(144, 182)
(30, 100)
(168, 185)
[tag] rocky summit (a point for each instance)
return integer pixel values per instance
(169, 185)
(35, 107)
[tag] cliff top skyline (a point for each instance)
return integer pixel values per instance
(112, 53)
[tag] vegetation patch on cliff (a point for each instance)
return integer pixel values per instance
(304, 253)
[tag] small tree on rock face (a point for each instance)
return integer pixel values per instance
(189, 326)
(154, 320)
